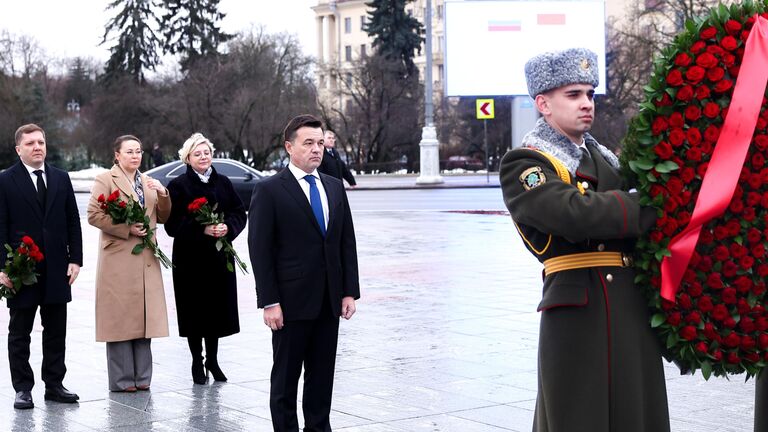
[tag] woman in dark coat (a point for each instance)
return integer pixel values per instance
(205, 290)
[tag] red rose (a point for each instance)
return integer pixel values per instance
(717, 354)
(113, 196)
(729, 43)
(675, 78)
(682, 59)
(684, 301)
(752, 357)
(746, 325)
(747, 343)
(729, 296)
(733, 358)
(674, 185)
(660, 125)
(758, 251)
(722, 253)
(758, 160)
(701, 347)
(693, 318)
(759, 289)
(706, 238)
(101, 198)
(687, 174)
(737, 250)
(719, 312)
(663, 150)
(693, 154)
(762, 341)
(762, 270)
(702, 92)
(694, 289)
(122, 204)
(692, 113)
(670, 205)
(714, 281)
(685, 94)
(693, 135)
(705, 304)
(676, 137)
(746, 262)
(709, 331)
(734, 71)
(729, 323)
(729, 269)
(715, 74)
(733, 227)
(656, 236)
(728, 59)
(698, 46)
(711, 110)
(695, 74)
(708, 33)
(722, 86)
(732, 340)
(706, 60)
(753, 199)
(670, 227)
(676, 120)
(732, 26)
(712, 133)
(761, 123)
(761, 142)
(715, 50)
(674, 319)
(720, 232)
(27, 240)
(755, 181)
(664, 101)
(22, 250)
(688, 333)
(736, 206)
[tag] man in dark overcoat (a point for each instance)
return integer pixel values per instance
(37, 200)
(332, 163)
(304, 258)
(600, 367)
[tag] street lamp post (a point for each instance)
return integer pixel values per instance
(429, 160)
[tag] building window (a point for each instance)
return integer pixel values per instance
(439, 12)
(321, 81)
(440, 72)
(439, 44)
(348, 78)
(362, 22)
(347, 25)
(362, 50)
(348, 52)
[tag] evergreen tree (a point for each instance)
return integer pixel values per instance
(396, 35)
(136, 49)
(191, 30)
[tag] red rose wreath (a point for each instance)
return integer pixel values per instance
(697, 151)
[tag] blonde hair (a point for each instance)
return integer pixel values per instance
(191, 143)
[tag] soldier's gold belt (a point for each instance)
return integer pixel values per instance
(586, 260)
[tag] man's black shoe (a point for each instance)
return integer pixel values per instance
(23, 400)
(60, 394)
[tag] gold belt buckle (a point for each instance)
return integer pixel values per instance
(626, 260)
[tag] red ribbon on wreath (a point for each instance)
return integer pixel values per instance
(722, 175)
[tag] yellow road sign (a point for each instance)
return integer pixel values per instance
(485, 109)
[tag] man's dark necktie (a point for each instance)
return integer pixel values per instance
(315, 202)
(41, 190)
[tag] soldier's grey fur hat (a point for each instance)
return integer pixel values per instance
(555, 69)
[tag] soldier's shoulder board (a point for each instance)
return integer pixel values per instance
(532, 177)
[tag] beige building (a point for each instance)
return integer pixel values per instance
(341, 39)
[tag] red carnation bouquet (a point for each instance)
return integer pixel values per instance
(20, 266)
(715, 318)
(131, 213)
(206, 215)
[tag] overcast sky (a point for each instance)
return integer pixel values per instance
(72, 28)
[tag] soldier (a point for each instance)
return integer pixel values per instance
(600, 365)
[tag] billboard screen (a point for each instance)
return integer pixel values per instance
(488, 42)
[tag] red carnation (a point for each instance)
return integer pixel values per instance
(708, 33)
(688, 333)
(729, 43)
(675, 78)
(695, 74)
(685, 94)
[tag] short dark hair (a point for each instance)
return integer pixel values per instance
(298, 122)
(25, 129)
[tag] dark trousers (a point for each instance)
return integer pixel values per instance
(311, 343)
(54, 320)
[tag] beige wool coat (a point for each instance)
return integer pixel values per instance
(130, 300)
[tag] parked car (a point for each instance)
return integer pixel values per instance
(464, 162)
(242, 176)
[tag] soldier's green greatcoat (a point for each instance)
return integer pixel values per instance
(600, 367)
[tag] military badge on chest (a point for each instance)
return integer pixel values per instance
(532, 177)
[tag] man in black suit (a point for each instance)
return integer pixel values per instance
(304, 259)
(37, 200)
(332, 163)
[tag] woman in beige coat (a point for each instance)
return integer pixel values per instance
(130, 301)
